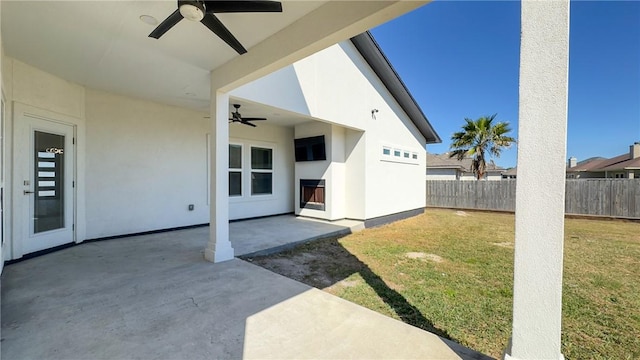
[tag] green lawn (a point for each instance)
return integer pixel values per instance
(452, 274)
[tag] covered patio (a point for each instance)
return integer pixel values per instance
(158, 299)
(154, 296)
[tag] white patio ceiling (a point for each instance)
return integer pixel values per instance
(105, 45)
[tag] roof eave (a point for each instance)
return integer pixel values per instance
(373, 55)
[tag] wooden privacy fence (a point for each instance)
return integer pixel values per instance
(604, 197)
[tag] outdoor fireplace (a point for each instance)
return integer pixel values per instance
(312, 195)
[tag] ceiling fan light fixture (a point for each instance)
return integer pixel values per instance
(192, 10)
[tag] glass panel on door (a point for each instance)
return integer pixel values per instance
(49, 182)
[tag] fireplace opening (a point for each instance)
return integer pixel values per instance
(312, 194)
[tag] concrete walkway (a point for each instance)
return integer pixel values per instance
(154, 297)
(274, 234)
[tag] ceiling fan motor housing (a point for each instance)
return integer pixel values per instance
(191, 10)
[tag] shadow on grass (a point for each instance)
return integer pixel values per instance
(326, 262)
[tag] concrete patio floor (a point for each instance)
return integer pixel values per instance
(154, 297)
(273, 234)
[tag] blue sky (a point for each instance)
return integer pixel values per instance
(460, 59)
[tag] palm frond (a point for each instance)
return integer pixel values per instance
(479, 137)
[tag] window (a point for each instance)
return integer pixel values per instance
(261, 171)
(260, 174)
(399, 155)
(235, 170)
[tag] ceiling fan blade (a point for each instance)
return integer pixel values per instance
(242, 6)
(167, 24)
(223, 33)
(253, 119)
(247, 123)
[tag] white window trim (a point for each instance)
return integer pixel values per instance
(240, 170)
(264, 171)
(246, 170)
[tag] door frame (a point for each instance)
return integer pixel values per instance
(19, 209)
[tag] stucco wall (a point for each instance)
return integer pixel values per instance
(316, 170)
(494, 176)
(540, 191)
(441, 174)
(392, 185)
(2, 152)
(355, 171)
(280, 139)
(322, 86)
(450, 174)
(146, 164)
(491, 176)
(156, 165)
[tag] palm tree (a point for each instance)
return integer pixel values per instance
(479, 137)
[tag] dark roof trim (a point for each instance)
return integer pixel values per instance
(373, 55)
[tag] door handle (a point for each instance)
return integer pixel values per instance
(27, 192)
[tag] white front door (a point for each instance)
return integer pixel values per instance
(45, 171)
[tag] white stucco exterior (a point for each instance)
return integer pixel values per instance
(456, 174)
(362, 183)
(3, 212)
(542, 129)
(442, 174)
(154, 143)
(140, 164)
(136, 151)
(280, 140)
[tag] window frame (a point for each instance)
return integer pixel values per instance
(251, 170)
(239, 170)
(394, 153)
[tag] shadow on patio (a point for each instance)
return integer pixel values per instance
(153, 296)
(327, 264)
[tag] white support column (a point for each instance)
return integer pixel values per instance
(542, 137)
(219, 247)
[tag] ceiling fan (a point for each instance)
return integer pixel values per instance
(203, 11)
(236, 117)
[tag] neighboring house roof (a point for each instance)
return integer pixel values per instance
(599, 164)
(511, 172)
(587, 165)
(373, 55)
(624, 164)
(443, 161)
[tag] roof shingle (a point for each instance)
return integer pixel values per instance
(443, 161)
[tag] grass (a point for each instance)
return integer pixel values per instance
(453, 275)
